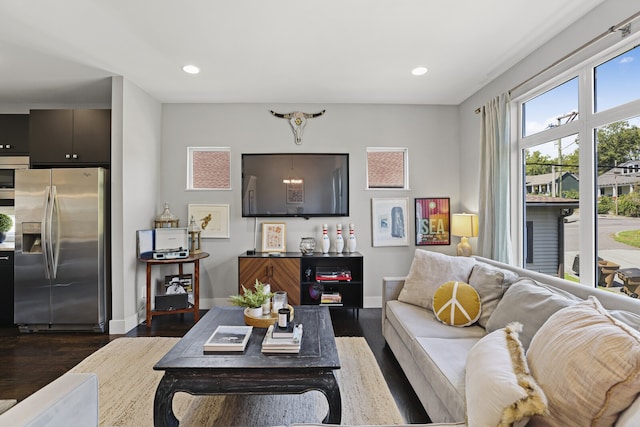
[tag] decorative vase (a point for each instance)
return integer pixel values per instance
(352, 239)
(254, 312)
(307, 245)
(326, 243)
(3, 235)
(339, 239)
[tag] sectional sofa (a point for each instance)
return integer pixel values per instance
(571, 352)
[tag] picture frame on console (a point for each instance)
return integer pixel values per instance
(390, 222)
(433, 221)
(274, 237)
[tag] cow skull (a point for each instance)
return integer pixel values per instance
(298, 120)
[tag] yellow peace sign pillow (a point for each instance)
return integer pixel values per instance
(456, 304)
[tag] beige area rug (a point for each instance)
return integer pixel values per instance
(127, 385)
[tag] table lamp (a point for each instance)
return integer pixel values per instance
(464, 225)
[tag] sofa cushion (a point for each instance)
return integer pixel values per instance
(456, 304)
(529, 303)
(443, 362)
(587, 363)
(411, 322)
(491, 283)
(429, 270)
(499, 388)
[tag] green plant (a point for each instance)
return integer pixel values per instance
(252, 298)
(5, 223)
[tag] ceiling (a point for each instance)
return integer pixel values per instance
(277, 51)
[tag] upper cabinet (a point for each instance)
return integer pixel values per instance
(70, 137)
(14, 134)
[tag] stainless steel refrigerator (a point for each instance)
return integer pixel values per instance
(60, 253)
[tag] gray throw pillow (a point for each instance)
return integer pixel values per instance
(530, 303)
(490, 282)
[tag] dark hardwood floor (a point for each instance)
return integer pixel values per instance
(30, 361)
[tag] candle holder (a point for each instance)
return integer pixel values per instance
(195, 242)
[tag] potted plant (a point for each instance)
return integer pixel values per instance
(5, 225)
(254, 299)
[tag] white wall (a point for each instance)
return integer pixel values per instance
(429, 132)
(598, 21)
(135, 183)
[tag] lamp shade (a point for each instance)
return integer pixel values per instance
(464, 225)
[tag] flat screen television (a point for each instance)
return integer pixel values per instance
(295, 185)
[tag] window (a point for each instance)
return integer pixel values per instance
(617, 81)
(550, 109)
(581, 171)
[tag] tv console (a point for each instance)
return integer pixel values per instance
(329, 279)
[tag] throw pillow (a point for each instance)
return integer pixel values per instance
(491, 283)
(456, 304)
(530, 303)
(429, 270)
(588, 364)
(499, 388)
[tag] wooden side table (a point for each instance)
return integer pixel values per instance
(193, 258)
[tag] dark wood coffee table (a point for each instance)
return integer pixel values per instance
(188, 369)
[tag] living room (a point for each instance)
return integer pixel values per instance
(151, 138)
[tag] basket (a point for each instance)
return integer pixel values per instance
(264, 321)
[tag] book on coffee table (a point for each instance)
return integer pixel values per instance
(282, 345)
(228, 338)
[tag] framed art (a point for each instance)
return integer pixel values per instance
(212, 219)
(387, 167)
(389, 221)
(208, 168)
(274, 237)
(433, 219)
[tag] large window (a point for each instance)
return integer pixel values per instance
(579, 140)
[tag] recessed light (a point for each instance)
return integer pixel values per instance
(191, 69)
(419, 71)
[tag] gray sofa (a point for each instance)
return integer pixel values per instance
(433, 355)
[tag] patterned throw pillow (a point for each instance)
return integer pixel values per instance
(456, 304)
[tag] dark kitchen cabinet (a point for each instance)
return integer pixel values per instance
(14, 134)
(70, 137)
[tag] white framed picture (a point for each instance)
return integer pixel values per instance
(208, 168)
(274, 237)
(387, 168)
(213, 220)
(389, 221)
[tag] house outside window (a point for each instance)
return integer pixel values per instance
(579, 144)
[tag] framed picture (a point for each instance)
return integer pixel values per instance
(433, 220)
(390, 222)
(208, 168)
(387, 168)
(212, 219)
(274, 237)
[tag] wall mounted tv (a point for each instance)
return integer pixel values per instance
(295, 185)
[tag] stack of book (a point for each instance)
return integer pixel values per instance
(331, 298)
(282, 341)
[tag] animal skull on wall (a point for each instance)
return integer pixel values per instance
(298, 120)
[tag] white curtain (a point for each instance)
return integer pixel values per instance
(494, 224)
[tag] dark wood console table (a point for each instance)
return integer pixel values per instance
(192, 258)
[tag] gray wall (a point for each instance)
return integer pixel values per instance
(429, 132)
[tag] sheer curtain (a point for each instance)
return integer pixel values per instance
(494, 223)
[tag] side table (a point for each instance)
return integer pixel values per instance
(192, 258)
